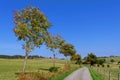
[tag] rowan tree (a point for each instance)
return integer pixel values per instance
(67, 50)
(54, 43)
(31, 26)
(77, 58)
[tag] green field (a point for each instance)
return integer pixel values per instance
(116, 59)
(9, 67)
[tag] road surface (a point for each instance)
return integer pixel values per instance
(80, 74)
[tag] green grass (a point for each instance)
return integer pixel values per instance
(95, 75)
(109, 58)
(104, 71)
(9, 67)
(63, 75)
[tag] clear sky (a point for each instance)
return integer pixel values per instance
(90, 25)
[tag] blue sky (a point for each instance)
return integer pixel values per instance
(90, 25)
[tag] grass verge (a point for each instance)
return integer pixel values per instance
(95, 75)
(63, 75)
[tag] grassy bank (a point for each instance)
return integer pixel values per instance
(65, 74)
(95, 75)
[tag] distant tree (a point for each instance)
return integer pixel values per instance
(76, 58)
(67, 50)
(108, 65)
(98, 65)
(84, 58)
(34, 57)
(112, 56)
(5, 56)
(91, 59)
(54, 43)
(112, 60)
(101, 61)
(118, 62)
(31, 26)
(17, 57)
(103, 65)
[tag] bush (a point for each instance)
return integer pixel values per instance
(53, 69)
(67, 66)
(118, 62)
(98, 65)
(108, 65)
(22, 76)
(112, 60)
(103, 65)
(32, 76)
(101, 61)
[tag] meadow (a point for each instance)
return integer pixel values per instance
(108, 73)
(116, 59)
(9, 68)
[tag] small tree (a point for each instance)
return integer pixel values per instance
(91, 59)
(112, 60)
(31, 26)
(67, 50)
(98, 65)
(54, 43)
(108, 65)
(101, 61)
(118, 62)
(103, 65)
(76, 58)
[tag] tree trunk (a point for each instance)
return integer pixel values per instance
(53, 60)
(25, 61)
(66, 60)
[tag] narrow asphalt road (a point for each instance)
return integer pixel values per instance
(80, 74)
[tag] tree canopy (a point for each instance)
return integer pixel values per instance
(67, 49)
(101, 61)
(31, 26)
(76, 58)
(91, 59)
(54, 42)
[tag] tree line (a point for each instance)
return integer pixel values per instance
(20, 57)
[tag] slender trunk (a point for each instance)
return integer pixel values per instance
(53, 60)
(25, 61)
(66, 60)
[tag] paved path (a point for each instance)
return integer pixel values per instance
(80, 74)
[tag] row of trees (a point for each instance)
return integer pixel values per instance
(31, 26)
(20, 57)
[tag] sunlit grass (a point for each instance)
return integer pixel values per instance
(95, 75)
(104, 71)
(9, 67)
